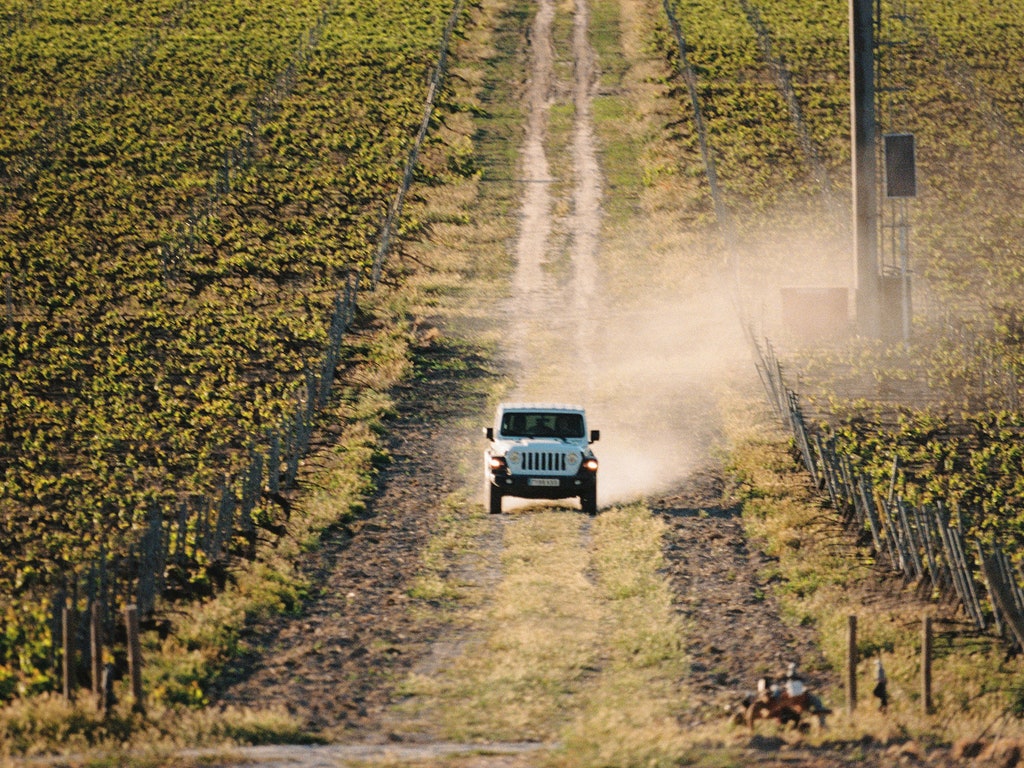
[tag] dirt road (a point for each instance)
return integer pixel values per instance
(640, 368)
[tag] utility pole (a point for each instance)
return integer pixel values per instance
(865, 191)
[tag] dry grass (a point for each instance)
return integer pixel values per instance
(531, 644)
(48, 725)
(578, 644)
(628, 712)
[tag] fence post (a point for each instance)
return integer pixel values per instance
(68, 651)
(1001, 593)
(294, 449)
(796, 417)
(990, 586)
(926, 665)
(970, 594)
(848, 486)
(1015, 590)
(892, 535)
(181, 537)
(131, 620)
(924, 528)
(96, 650)
(851, 664)
(250, 496)
(9, 298)
(150, 559)
(312, 398)
(943, 575)
(351, 288)
(955, 574)
(225, 521)
(105, 698)
(871, 513)
(274, 463)
(827, 473)
(204, 509)
(914, 567)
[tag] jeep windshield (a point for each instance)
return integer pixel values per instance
(542, 424)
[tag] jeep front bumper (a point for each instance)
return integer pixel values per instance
(545, 487)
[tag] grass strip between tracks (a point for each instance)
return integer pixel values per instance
(578, 644)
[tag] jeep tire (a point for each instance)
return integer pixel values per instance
(588, 502)
(494, 495)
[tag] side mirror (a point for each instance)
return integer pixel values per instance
(595, 435)
(489, 433)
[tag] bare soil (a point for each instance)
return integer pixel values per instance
(336, 666)
(333, 667)
(736, 635)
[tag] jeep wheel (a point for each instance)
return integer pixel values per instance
(589, 503)
(495, 497)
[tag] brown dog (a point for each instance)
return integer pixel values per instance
(786, 706)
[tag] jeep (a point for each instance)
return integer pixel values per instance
(540, 451)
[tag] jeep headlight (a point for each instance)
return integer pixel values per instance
(513, 457)
(572, 460)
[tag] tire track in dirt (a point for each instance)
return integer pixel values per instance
(333, 668)
(530, 292)
(735, 634)
(586, 221)
(553, 313)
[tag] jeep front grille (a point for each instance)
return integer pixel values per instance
(544, 461)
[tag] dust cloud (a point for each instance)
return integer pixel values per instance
(640, 327)
(643, 359)
(648, 373)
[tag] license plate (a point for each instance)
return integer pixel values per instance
(544, 482)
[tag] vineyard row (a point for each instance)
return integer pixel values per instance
(767, 108)
(957, 553)
(143, 365)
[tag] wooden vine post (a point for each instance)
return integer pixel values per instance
(8, 298)
(96, 652)
(68, 651)
(131, 617)
(926, 665)
(851, 664)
